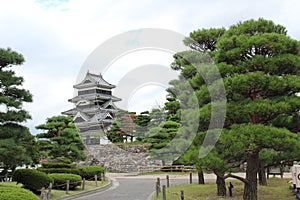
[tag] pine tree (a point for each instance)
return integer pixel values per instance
(61, 139)
(260, 68)
(12, 96)
(17, 145)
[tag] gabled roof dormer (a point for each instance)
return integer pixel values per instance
(109, 105)
(98, 117)
(80, 117)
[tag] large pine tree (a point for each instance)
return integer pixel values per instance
(260, 67)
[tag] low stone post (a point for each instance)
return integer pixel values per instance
(181, 195)
(164, 193)
(230, 189)
(43, 195)
(168, 181)
(49, 191)
(68, 187)
(96, 180)
(158, 184)
(156, 189)
(83, 184)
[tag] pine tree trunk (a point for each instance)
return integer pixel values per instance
(221, 186)
(200, 177)
(262, 175)
(250, 189)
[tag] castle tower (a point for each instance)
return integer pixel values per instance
(94, 108)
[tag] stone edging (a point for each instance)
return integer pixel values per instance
(84, 193)
(152, 194)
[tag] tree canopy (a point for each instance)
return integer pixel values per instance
(12, 96)
(60, 139)
(17, 146)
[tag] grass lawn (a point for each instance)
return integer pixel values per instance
(10, 184)
(56, 194)
(277, 189)
(89, 185)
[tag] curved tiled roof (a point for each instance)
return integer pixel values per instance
(93, 80)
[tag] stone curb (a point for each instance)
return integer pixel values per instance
(149, 198)
(89, 192)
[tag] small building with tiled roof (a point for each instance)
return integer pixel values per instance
(94, 108)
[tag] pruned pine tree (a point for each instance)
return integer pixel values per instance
(61, 139)
(17, 145)
(260, 67)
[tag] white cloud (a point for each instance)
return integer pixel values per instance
(55, 39)
(146, 98)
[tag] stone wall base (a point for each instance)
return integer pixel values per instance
(116, 159)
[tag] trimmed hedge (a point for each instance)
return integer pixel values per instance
(32, 179)
(62, 160)
(59, 170)
(89, 172)
(60, 180)
(57, 165)
(7, 193)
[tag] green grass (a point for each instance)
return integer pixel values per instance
(276, 189)
(89, 185)
(56, 194)
(10, 184)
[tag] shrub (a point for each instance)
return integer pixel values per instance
(89, 172)
(57, 165)
(16, 194)
(60, 170)
(32, 179)
(60, 180)
(63, 160)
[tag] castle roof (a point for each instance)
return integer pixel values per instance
(94, 97)
(107, 106)
(91, 80)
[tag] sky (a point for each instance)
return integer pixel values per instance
(57, 36)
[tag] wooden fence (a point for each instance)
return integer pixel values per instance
(169, 168)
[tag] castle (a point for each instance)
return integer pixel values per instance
(94, 108)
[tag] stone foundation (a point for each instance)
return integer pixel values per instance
(121, 158)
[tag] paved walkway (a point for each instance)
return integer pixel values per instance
(132, 187)
(129, 186)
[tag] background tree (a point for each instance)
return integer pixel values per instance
(61, 139)
(17, 145)
(159, 136)
(112, 134)
(190, 63)
(142, 124)
(123, 127)
(132, 125)
(127, 126)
